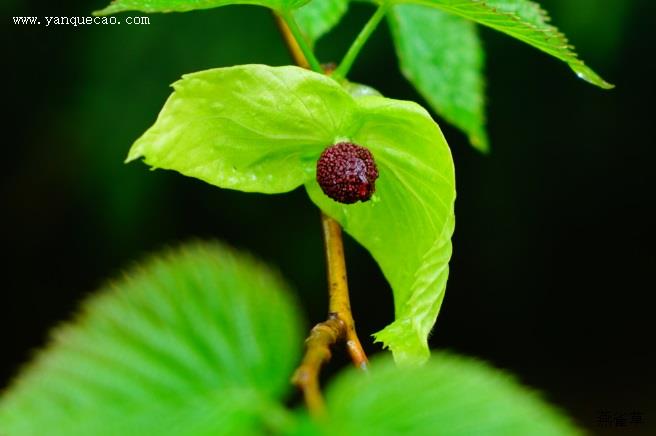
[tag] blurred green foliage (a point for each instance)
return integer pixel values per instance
(199, 340)
(202, 340)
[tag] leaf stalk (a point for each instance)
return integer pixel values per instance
(359, 42)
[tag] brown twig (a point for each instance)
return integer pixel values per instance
(340, 325)
(306, 378)
(339, 302)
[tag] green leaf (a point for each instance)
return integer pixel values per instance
(447, 69)
(253, 128)
(521, 19)
(451, 395)
(259, 128)
(199, 341)
(319, 16)
(192, 5)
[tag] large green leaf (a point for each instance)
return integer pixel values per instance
(191, 5)
(319, 16)
(252, 127)
(260, 128)
(521, 19)
(442, 56)
(451, 395)
(199, 341)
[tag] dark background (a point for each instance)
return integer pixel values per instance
(554, 257)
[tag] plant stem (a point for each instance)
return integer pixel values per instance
(339, 302)
(299, 43)
(340, 324)
(306, 378)
(353, 51)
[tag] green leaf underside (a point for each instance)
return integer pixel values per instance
(200, 341)
(317, 17)
(192, 5)
(521, 19)
(442, 56)
(450, 395)
(261, 129)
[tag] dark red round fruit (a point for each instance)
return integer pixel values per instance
(347, 173)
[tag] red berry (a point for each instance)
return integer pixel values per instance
(347, 173)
